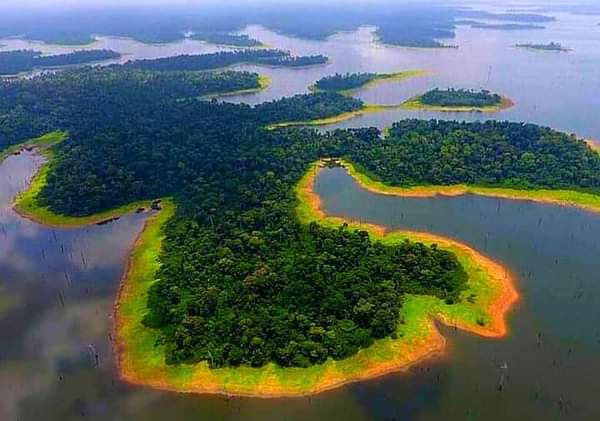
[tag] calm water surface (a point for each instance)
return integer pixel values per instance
(559, 90)
(554, 253)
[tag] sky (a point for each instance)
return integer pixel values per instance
(83, 3)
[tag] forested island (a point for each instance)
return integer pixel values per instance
(13, 62)
(224, 38)
(552, 46)
(459, 100)
(245, 281)
(348, 82)
(227, 58)
(506, 26)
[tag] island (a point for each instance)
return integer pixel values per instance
(506, 26)
(459, 100)
(552, 46)
(240, 283)
(17, 61)
(263, 57)
(348, 83)
(227, 39)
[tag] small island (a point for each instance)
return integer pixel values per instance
(506, 26)
(348, 83)
(459, 100)
(344, 85)
(552, 46)
(227, 39)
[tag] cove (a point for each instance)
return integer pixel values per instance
(551, 355)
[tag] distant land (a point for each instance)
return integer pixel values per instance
(222, 38)
(511, 17)
(506, 26)
(423, 26)
(222, 59)
(552, 46)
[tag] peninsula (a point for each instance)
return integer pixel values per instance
(17, 61)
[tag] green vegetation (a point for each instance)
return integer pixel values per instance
(506, 26)
(336, 118)
(225, 59)
(264, 82)
(82, 98)
(223, 38)
(552, 46)
(242, 280)
(493, 154)
(235, 245)
(13, 62)
(460, 98)
(45, 141)
(349, 82)
(142, 361)
(27, 203)
(325, 293)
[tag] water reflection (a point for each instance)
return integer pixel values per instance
(553, 351)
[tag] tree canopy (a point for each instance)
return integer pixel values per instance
(13, 62)
(460, 98)
(242, 281)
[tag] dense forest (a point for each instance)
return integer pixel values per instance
(341, 82)
(87, 97)
(226, 58)
(13, 62)
(92, 97)
(242, 280)
(224, 38)
(493, 153)
(460, 98)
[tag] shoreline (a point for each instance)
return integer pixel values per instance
(410, 105)
(25, 205)
(349, 115)
(264, 82)
(569, 198)
(377, 80)
(501, 305)
(415, 103)
(593, 144)
(140, 362)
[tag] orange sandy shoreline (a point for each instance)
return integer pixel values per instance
(433, 346)
(594, 144)
(501, 275)
(405, 353)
